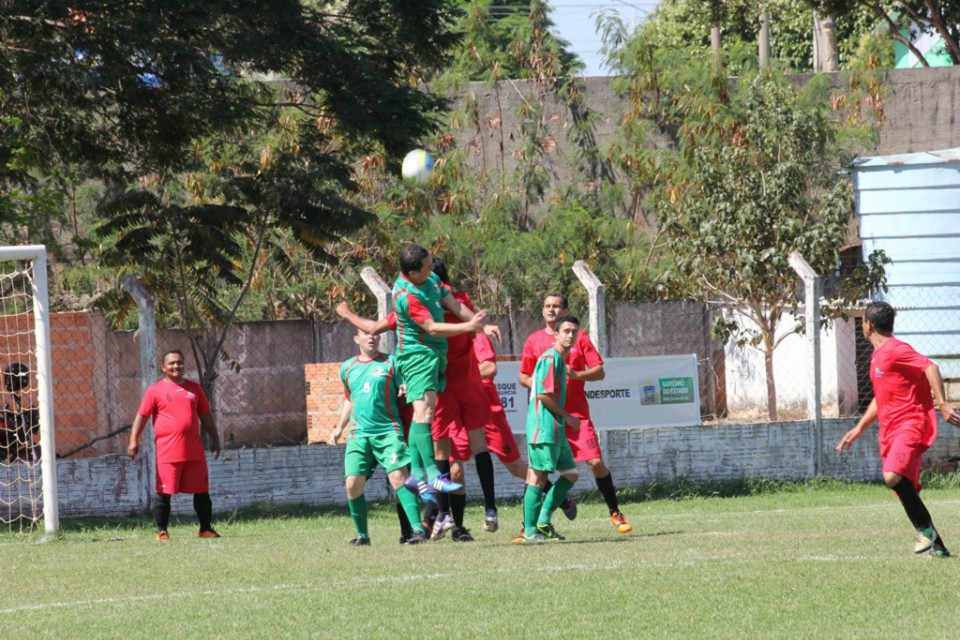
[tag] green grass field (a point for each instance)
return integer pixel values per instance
(817, 560)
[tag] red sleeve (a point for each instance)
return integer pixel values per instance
(590, 353)
(418, 312)
(392, 321)
(149, 403)
(528, 359)
(483, 348)
(912, 359)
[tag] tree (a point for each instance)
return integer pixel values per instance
(935, 17)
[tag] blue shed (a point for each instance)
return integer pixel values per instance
(909, 206)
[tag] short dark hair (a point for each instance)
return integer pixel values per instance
(412, 257)
(880, 315)
(16, 376)
(163, 358)
(572, 319)
(563, 300)
(440, 269)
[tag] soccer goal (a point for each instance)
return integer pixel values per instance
(28, 467)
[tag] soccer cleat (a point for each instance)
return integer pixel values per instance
(422, 489)
(925, 540)
(405, 539)
(620, 522)
(417, 537)
(569, 508)
(443, 484)
(441, 526)
(936, 553)
(523, 538)
(490, 521)
(360, 541)
(461, 534)
(209, 533)
(163, 536)
(549, 533)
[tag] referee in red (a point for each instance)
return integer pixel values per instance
(178, 408)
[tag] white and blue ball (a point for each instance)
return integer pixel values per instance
(417, 167)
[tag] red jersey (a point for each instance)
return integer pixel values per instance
(902, 391)
(461, 362)
(483, 351)
(582, 356)
(176, 410)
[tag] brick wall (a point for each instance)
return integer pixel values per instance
(324, 399)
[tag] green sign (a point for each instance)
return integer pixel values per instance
(676, 390)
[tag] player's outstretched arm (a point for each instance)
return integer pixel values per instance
(463, 312)
(367, 325)
(947, 409)
(851, 436)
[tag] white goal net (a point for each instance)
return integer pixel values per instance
(28, 479)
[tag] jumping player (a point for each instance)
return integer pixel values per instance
(584, 364)
(178, 408)
(548, 449)
(903, 381)
(370, 389)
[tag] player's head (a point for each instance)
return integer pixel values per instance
(567, 329)
(554, 306)
(415, 263)
(172, 364)
(880, 317)
(440, 268)
(369, 344)
(16, 376)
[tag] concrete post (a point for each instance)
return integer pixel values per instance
(811, 282)
(147, 334)
(598, 309)
(376, 284)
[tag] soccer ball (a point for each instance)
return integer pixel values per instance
(417, 167)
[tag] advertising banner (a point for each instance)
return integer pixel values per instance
(655, 391)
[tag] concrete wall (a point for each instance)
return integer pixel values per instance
(313, 474)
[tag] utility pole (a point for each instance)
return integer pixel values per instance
(763, 40)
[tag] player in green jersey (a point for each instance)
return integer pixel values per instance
(547, 447)
(371, 385)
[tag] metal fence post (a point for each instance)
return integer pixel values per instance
(376, 284)
(147, 333)
(598, 309)
(811, 287)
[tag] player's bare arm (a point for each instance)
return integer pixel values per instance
(525, 380)
(367, 325)
(206, 421)
(548, 401)
(587, 375)
(341, 423)
(136, 435)
(869, 416)
(488, 369)
(463, 312)
(947, 409)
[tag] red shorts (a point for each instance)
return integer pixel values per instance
(460, 407)
(902, 455)
(183, 477)
(583, 441)
(500, 439)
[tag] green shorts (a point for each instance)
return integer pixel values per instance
(551, 457)
(421, 371)
(364, 454)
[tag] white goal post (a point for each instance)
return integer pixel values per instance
(25, 370)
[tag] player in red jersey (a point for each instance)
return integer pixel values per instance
(178, 408)
(584, 364)
(907, 389)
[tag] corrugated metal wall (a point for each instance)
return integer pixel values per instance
(909, 206)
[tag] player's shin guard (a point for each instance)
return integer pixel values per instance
(532, 503)
(358, 511)
(553, 498)
(204, 508)
(485, 474)
(161, 511)
(913, 505)
(609, 493)
(410, 508)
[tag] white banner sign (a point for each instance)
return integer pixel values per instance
(655, 391)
